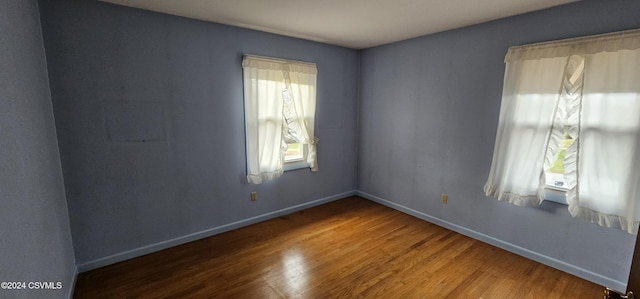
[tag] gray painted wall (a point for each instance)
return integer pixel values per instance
(428, 115)
(35, 237)
(150, 119)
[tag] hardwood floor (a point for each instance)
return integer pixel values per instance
(344, 249)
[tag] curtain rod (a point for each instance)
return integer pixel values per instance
(583, 45)
(609, 35)
(280, 60)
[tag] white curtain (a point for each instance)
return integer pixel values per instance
(303, 105)
(587, 89)
(280, 103)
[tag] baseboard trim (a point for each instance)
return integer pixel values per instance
(532, 255)
(112, 259)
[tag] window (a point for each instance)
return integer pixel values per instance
(556, 184)
(294, 152)
(280, 103)
(295, 157)
(554, 175)
(569, 123)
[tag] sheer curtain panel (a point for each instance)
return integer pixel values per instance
(584, 90)
(280, 103)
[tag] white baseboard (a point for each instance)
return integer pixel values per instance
(532, 255)
(112, 259)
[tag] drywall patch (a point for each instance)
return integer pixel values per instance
(135, 121)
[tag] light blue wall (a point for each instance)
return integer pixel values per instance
(35, 237)
(428, 115)
(121, 75)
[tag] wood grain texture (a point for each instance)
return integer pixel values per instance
(350, 248)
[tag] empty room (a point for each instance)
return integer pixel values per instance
(319, 149)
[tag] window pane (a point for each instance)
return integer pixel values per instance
(555, 175)
(294, 152)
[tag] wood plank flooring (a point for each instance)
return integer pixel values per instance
(350, 248)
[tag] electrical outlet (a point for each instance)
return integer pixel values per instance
(254, 196)
(444, 198)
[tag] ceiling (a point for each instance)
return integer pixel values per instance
(350, 23)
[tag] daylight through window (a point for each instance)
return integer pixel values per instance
(569, 121)
(280, 103)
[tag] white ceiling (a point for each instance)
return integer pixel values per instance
(350, 23)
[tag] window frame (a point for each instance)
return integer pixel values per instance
(266, 160)
(298, 163)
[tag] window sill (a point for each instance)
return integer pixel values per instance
(295, 165)
(555, 195)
